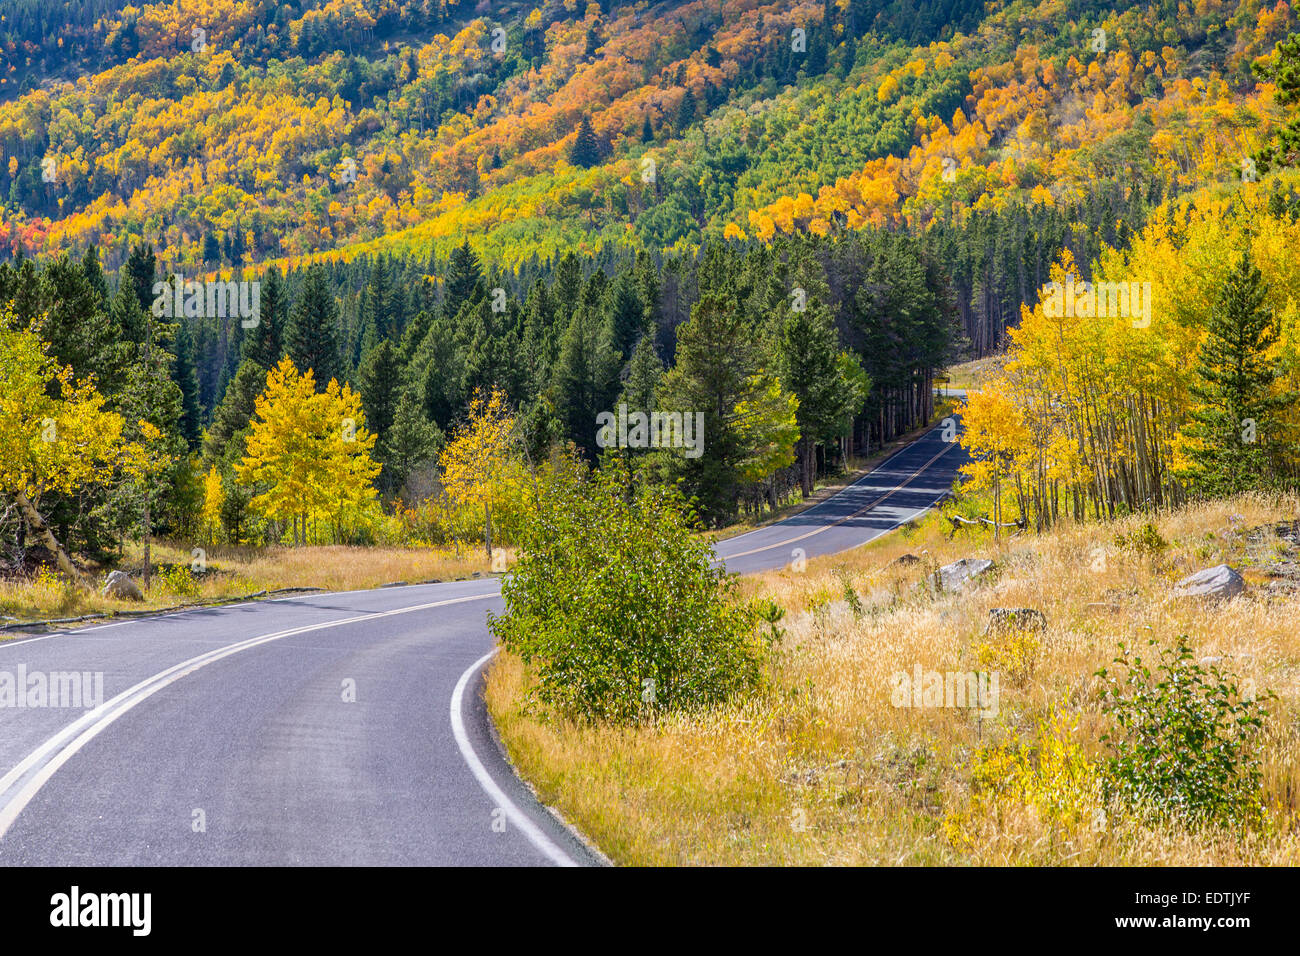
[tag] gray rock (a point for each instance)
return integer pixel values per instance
(955, 576)
(122, 587)
(1025, 618)
(1219, 581)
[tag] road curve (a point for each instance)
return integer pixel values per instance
(329, 729)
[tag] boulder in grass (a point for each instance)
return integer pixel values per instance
(121, 586)
(903, 560)
(1216, 583)
(955, 576)
(1015, 618)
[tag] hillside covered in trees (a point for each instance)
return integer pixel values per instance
(230, 134)
(468, 223)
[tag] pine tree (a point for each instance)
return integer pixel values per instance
(748, 421)
(1237, 442)
(411, 441)
(263, 343)
(232, 416)
(211, 247)
(127, 316)
(379, 380)
(1283, 70)
(585, 379)
(94, 272)
(626, 315)
(186, 378)
(807, 363)
(686, 111)
(311, 339)
(464, 282)
(585, 151)
(139, 272)
(643, 375)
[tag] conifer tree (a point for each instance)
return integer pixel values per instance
(311, 339)
(464, 282)
(379, 380)
(585, 379)
(1236, 437)
(264, 342)
(686, 111)
(139, 272)
(410, 441)
(585, 151)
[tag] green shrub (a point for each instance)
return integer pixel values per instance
(1185, 747)
(1145, 540)
(616, 607)
(177, 579)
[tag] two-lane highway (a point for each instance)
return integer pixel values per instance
(328, 729)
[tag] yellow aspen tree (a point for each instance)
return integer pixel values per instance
(995, 435)
(350, 470)
(309, 452)
(481, 466)
(214, 497)
(50, 444)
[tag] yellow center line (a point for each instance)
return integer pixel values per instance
(860, 511)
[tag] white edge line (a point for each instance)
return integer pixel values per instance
(97, 720)
(520, 819)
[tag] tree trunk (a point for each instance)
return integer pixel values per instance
(148, 556)
(34, 521)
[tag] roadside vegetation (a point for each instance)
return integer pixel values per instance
(229, 573)
(816, 765)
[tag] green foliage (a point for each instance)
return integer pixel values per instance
(616, 606)
(311, 339)
(1283, 70)
(1146, 540)
(178, 579)
(586, 149)
(1237, 438)
(1185, 747)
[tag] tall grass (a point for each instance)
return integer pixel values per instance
(232, 572)
(822, 768)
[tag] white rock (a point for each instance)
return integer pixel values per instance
(121, 586)
(1219, 581)
(953, 577)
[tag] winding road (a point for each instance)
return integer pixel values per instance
(345, 728)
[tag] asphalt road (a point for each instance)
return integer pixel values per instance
(329, 729)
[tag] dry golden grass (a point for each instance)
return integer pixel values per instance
(824, 769)
(233, 572)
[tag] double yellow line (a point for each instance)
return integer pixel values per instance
(860, 511)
